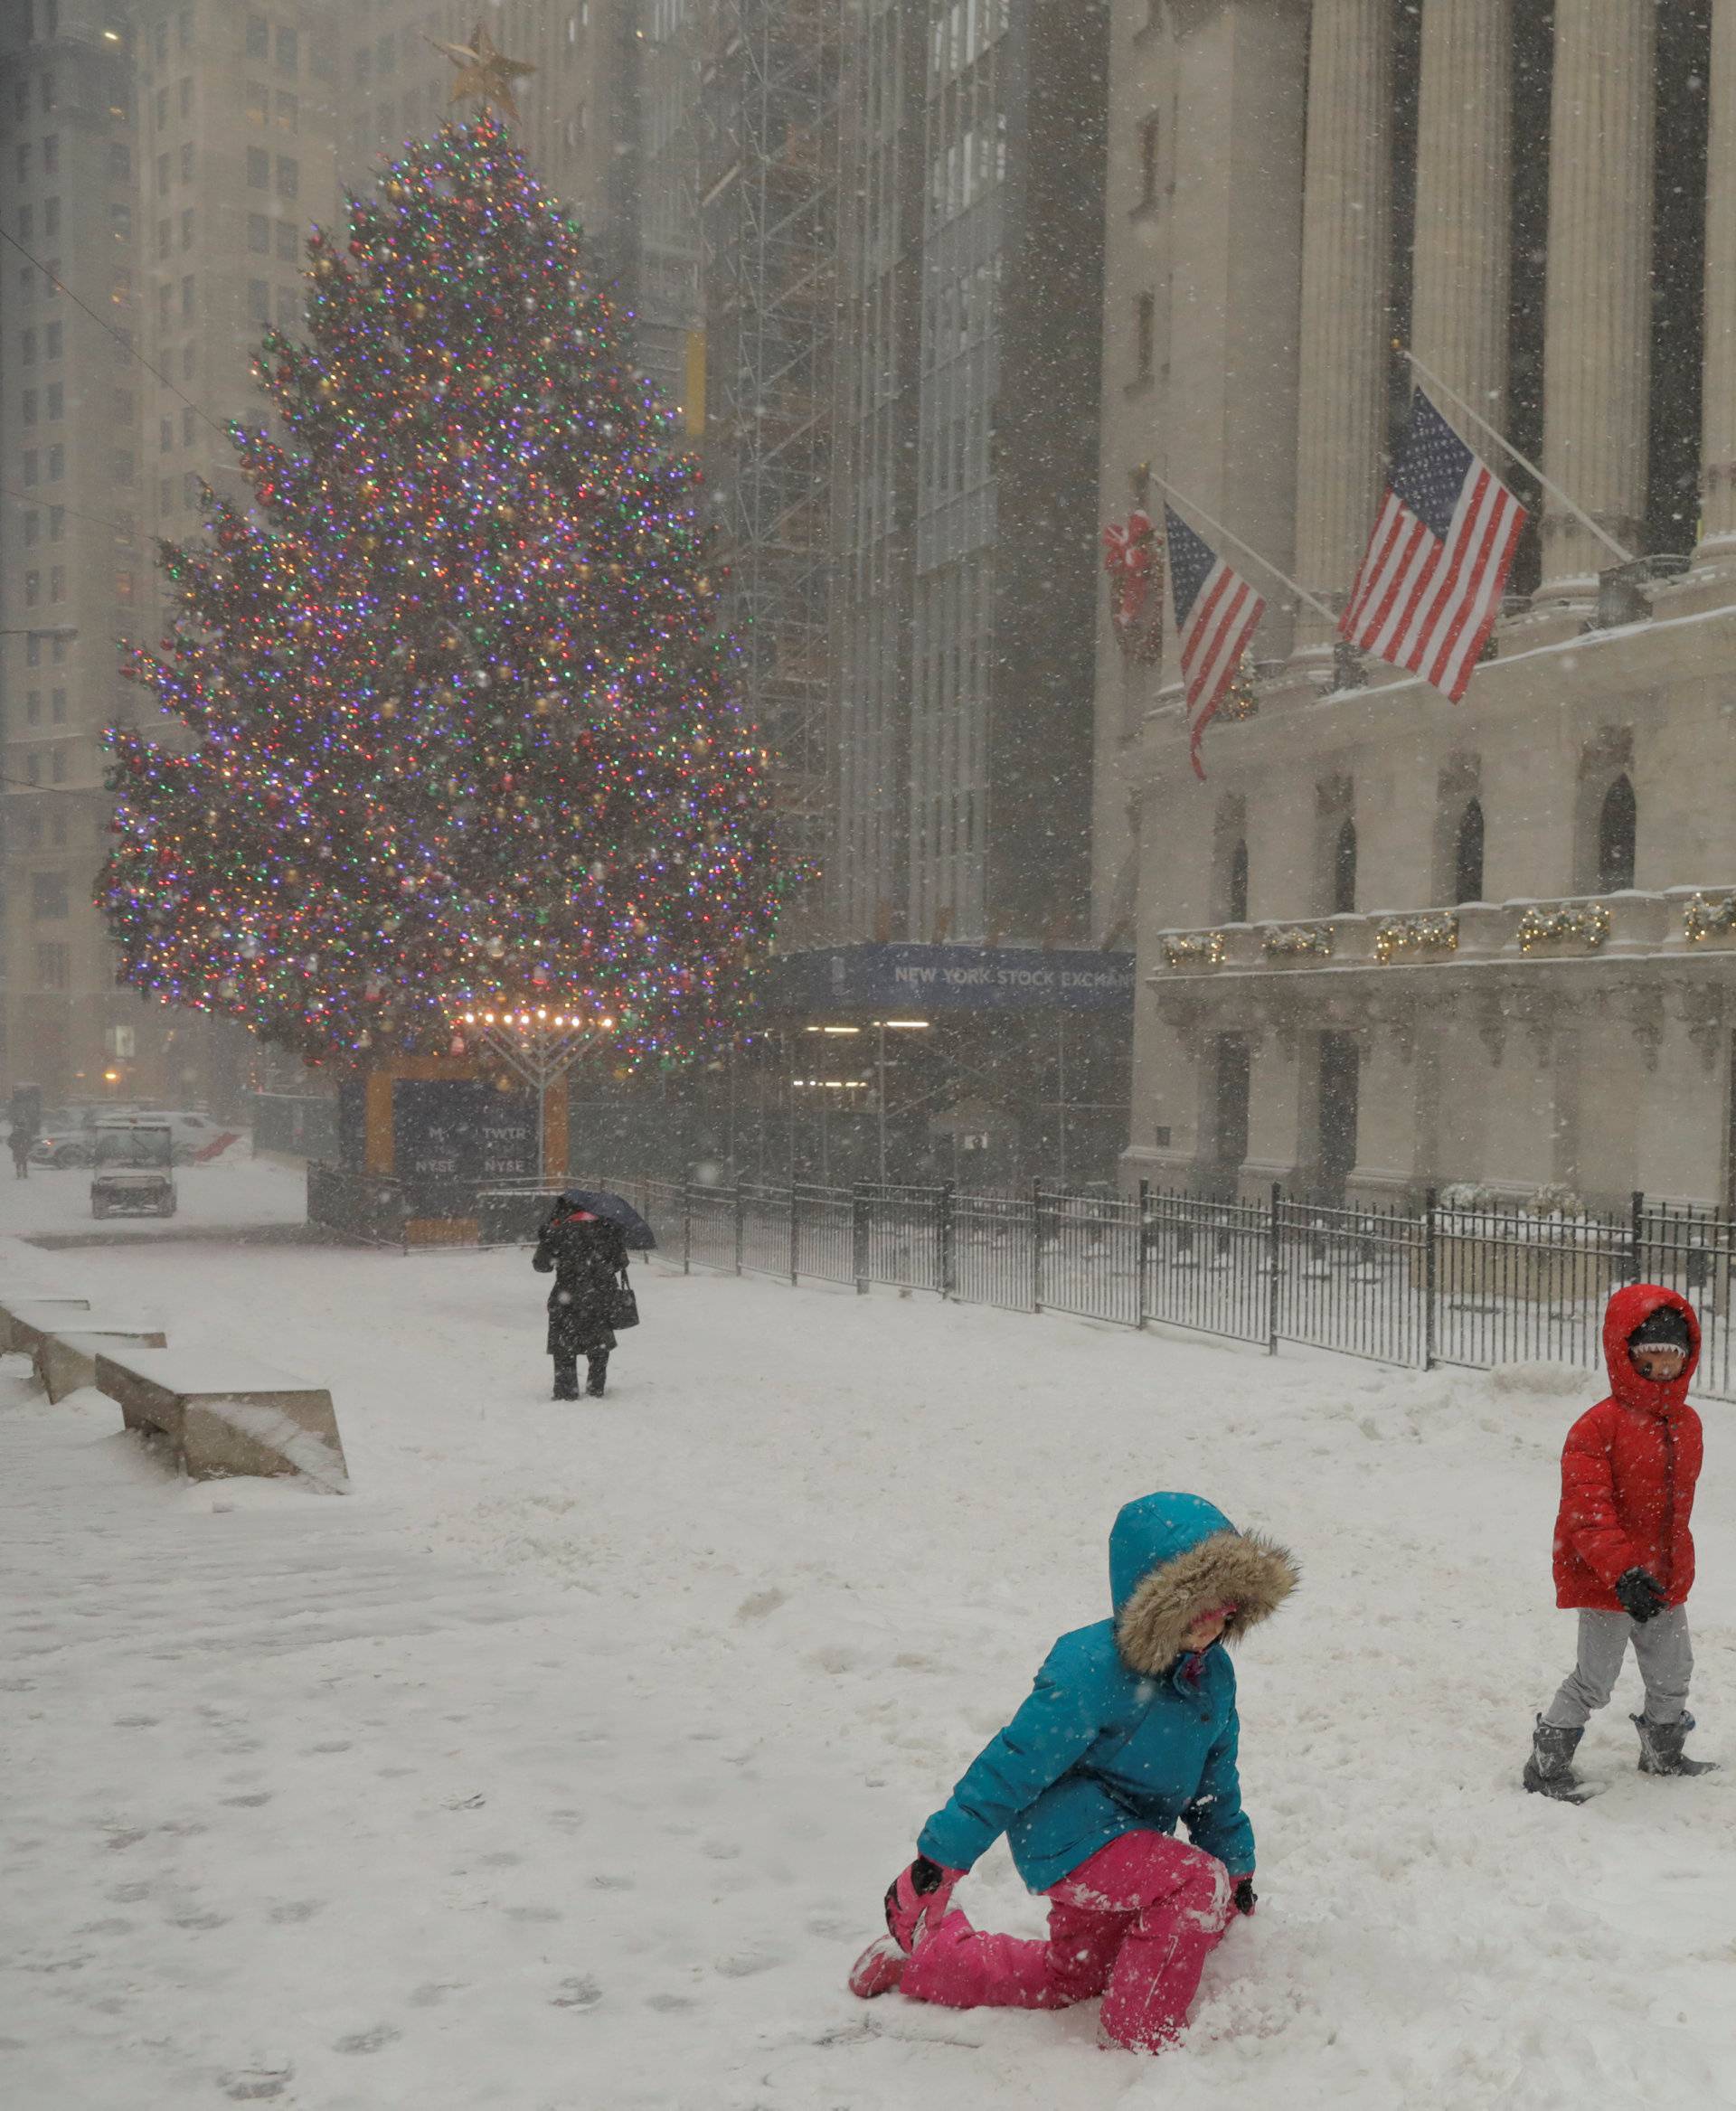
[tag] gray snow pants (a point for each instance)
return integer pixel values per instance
(1660, 1648)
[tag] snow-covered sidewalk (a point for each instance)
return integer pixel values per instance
(562, 1764)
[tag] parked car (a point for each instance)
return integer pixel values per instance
(132, 1170)
(63, 1144)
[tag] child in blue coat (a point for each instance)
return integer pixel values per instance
(1129, 1731)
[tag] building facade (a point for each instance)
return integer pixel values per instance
(1390, 943)
(966, 397)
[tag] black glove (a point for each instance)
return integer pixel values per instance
(1641, 1600)
(1244, 1894)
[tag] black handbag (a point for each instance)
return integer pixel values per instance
(623, 1305)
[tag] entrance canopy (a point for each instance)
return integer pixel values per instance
(917, 982)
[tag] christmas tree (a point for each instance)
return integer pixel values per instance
(465, 738)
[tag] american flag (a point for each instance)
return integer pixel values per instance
(1430, 588)
(1216, 613)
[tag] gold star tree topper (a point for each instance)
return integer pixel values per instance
(484, 72)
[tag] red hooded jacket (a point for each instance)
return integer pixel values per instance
(1628, 1469)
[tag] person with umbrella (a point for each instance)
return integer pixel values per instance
(583, 1244)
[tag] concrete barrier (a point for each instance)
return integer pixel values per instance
(225, 1414)
(67, 1363)
(23, 1312)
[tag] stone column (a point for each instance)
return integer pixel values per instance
(1346, 249)
(1464, 201)
(1597, 353)
(1719, 460)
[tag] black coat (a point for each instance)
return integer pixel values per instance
(587, 1261)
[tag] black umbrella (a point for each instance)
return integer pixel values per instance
(614, 1210)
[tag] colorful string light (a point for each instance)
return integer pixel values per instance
(467, 737)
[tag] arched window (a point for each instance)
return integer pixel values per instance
(1236, 903)
(1617, 826)
(1468, 853)
(1343, 870)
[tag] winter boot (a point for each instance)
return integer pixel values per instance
(1660, 1747)
(878, 1970)
(1549, 1771)
(566, 1379)
(596, 1373)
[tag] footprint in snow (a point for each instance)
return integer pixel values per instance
(246, 1803)
(582, 1993)
(745, 1964)
(760, 1604)
(256, 2085)
(296, 1910)
(374, 2041)
(613, 1883)
(667, 2003)
(534, 1913)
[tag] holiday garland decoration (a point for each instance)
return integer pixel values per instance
(466, 740)
(1705, 916)
(1193, 949)
(1434, 931)
(1299, 942)
(1551, 927)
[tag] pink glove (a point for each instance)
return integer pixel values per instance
(917, 1900)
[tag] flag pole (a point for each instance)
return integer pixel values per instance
(1501, 441)
(1265, 563)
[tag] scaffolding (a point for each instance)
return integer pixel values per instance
(768, 210)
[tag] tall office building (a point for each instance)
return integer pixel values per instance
(966, 404)
(73, 559)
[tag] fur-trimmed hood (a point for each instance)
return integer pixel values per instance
(1173, 1557)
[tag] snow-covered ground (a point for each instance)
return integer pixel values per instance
(560, 1767)
(236, 1190)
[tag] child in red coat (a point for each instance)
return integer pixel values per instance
(1623, 1555)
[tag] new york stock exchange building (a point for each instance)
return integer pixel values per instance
(1388, 941)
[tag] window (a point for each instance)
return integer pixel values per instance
(288, 52)
(1148, 143)
(1617, 834)
(165, 232)
(31, 466)
(120, 222)
(24, 160)
(28, 407)
(184, 28)
(186, 227)
(57, 582)
(56, 463)
(289, 111)
(1236, 904)
(289, 311)
(258, 43)
(32, 589)
(53, 340)
(186, 95)
(48, 895)
(33, 649)
(259, 300)
(259, 102)
(163, 108)
(1343, 870)
(58, 651)
(34, 767)
(186, 160)
(27, 348)
(1145, 335)
(1468, 853)
(164, 305)
(33, 527)
(56, 766)
(165, 495)
(50, 150)
(189, 488)
(288, 245)
(258, 169)
(160, 43)
(33, 708)
(120, 162)
(189, 428)
(187, 298)
(259, 233)
(57, 827)
(52, 216)
(52, 960)
(57, 707)
(166, 435)
(56, 523)
(162, 174)
(55, 406)
(288, 176)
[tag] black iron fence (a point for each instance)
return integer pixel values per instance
(1423, 1285)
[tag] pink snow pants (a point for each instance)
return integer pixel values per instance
(1134, 1923)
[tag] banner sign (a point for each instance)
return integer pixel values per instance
(914, 981)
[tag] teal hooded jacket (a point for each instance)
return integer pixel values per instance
(1123, 1731)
